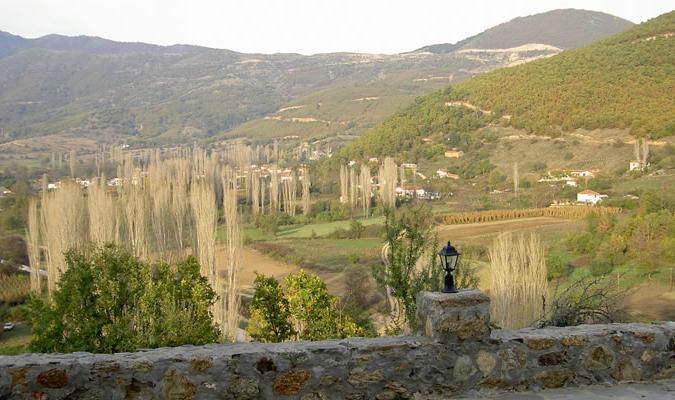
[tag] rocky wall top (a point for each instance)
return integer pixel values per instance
(457, 354)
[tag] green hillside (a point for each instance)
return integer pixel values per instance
(626, 81)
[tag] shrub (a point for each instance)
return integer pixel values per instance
(355, 229)
(586, 301)
(267, 223)
(601, 266)
(538, 166)
(303, 311)
(108, 301)
(411, 263)
(555, 267)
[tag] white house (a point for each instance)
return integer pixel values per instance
(445, 174)
(637, 166)
(590, 197)
(582, 174)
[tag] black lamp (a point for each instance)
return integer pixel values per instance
(449, 259)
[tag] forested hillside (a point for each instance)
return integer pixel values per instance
(626, 81)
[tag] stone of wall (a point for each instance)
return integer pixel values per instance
(454, 357)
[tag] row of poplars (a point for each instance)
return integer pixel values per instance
(356, 187)
(163, 210)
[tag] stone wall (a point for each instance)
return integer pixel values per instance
(457, 352)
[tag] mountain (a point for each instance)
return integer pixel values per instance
(564, 29)
(10, 44)
(625, 81)
(105, 90)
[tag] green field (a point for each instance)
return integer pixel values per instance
(303, 231)
(15, 341)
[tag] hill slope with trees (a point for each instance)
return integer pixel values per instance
(97, 88)
(625, 81)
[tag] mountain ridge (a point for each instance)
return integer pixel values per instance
(93, 86)
(563, 28)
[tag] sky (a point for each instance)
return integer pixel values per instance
(299, 26)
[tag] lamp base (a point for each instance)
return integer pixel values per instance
(450, 290)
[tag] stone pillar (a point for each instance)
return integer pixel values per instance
(453, 317)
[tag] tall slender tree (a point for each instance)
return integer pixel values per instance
(233, 244)
(306, 184)
(33, 244)
(364, 177)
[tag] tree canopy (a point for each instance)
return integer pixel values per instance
(108, 301)
(304, 310)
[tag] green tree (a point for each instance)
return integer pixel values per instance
(108, 301)
(304, 311)
(270, 313)
(356, 229)
(412, 261)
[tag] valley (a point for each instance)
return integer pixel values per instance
(552, 133)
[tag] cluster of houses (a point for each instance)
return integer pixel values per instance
(570, 178)
(415, 191)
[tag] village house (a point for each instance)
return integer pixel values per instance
(83, 182)
(636, 166)
(54, 186)
(582, 174)
(590, 197)
(445, 174)
(454, 153)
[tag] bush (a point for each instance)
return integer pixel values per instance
(267, 223)
(108, 301)
(586, 301)
(555, 267)
(538, 166)
(601, 267)
(355, 229)
(303, 311)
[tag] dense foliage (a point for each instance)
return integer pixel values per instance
(108, 301)
(645, 238)
(625, 81)
(428, 116)
(412, 265)
(304, 310)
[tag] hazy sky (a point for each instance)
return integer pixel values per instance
(303, 26)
